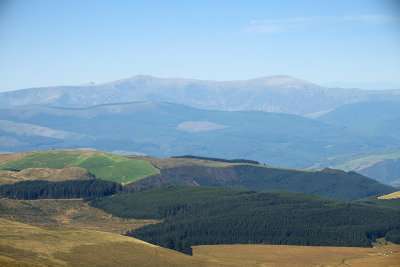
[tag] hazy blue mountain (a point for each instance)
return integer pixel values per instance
(166, 129)
(274, 94)
(386, 171)
(378, 118)
(382, 165)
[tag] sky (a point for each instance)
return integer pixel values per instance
(334, 43)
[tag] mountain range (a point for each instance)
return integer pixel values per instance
(283, 94)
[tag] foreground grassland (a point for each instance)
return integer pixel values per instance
(25, 245)
(275, 255)
(66, 214)
(104, 166)
(391, 196)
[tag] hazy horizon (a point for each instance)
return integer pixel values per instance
(46, 43)
(344, 85)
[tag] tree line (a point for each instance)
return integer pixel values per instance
(201, 216)
(38, 189)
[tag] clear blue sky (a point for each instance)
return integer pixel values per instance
(69, 42)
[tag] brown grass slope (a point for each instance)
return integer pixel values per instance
(9, 157)
(382, 254)
(391, 195)
(46, 174)
(66, 214)
(26, 245)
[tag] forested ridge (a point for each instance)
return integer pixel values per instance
(65, 189)
(206, 215)
(325, 183)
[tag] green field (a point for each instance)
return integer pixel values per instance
(104, 166)
(360, 163)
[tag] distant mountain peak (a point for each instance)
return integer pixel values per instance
(282, 80)
(142, 77)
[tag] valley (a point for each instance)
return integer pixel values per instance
(368, 145)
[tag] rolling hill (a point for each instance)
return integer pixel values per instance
(25, 245)
(73, 214)
(102, 165)
(166, 129)
(139, 173)
(375, 118)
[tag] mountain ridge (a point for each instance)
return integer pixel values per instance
(279, 93)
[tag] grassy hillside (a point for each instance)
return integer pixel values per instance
(66, 214)
(383, 254)
(24, 245)
(206, 215)
(391, 196)
(103, 165)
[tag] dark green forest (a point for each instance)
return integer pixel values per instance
(65, 189)
(207, 215)
(325, 183)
